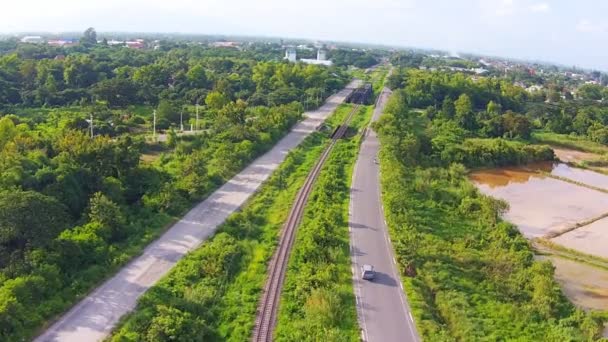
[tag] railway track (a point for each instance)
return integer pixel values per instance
(268, 306)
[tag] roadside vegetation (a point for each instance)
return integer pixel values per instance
(317, 302)
(213, 293)
(73, 209)
(468, 274)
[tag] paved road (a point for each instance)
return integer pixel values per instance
(381, 304)
(93, 318)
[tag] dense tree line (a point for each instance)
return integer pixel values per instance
(468, 274)
(495, 107)
(357, 58)
(73, 208)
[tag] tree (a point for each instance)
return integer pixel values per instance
(107, 214)
(493, 108)
(464, 112)
(89, 38)
(216, 100)
(171, 324)
(591, 92)
(27, 220)
(167, 114)
(172, 138)
(197, 77)
(517, 125)
(79, 72)
(447, 108)
(117, 92)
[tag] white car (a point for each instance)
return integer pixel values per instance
(367, 272)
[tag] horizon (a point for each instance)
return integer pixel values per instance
(311, 40)
(554, 32)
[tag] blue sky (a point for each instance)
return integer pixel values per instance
(570, 32)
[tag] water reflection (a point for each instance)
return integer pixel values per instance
(586, 286)
(538, 204)
(501, 177)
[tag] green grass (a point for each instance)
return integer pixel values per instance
(569, 141)
(317, 302)
(474, 277)
(548, 247)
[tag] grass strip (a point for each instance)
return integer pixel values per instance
(317, 302)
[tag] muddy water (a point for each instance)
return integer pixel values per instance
(581, 175)
(575, 156)
(590, 239)
(586, 286)
(540, 204)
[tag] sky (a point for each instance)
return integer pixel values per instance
(569, 32)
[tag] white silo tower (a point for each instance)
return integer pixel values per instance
(321, 55)
(290, 54)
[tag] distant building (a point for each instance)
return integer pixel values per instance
(316, 61)
(225, 44)
(136, 44)
(65, 42)
(321, 55)
(32, 39)
(321, 59)
(290, 54)
(114, 42)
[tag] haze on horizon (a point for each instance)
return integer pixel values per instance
(559, 31)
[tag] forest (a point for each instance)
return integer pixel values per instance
(74, 207)
(495, 107)
(468, 274)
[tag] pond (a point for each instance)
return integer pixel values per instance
(585, 285)
(590, 239)
(539, 204)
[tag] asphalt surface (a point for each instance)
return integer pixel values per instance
(93, 318)
(382, 307)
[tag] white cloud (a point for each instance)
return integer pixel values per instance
(505, 7)
(499, 8)
(540, 7)
(587, 26)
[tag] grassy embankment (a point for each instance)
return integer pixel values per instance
(317, 303)
(569, 141)
(213, 292)
(471, 276)
(589, 155)
(468, 274)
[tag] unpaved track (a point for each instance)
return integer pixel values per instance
(93, 318)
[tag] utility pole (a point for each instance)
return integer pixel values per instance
(91, 125)
(154, 125)
(181, 119)
(196, 125)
